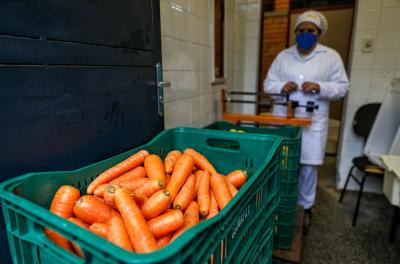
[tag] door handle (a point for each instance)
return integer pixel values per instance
(164, 84)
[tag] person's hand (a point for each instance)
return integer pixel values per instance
(311, 87)
(289, 87)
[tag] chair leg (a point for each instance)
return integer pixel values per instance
(345, 185)
(360, 192)
(395, 221)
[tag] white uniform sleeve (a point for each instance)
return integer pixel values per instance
(338, 84)
(273, 82)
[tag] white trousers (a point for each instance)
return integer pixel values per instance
(307, 185)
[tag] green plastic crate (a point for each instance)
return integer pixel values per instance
(290, 166)
(285, 219)
(26, 199)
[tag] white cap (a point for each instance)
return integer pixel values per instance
(314, 17)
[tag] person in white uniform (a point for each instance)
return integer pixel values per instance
(309, 71)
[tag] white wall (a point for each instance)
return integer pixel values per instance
(186, 55)
(370, 73)
(187, 37)
(242, 43)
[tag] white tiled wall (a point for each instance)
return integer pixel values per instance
(186, 32)
(370, 73)
(186, 55)
(242, 37)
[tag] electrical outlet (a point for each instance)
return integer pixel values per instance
(395, 84)
(368, 44)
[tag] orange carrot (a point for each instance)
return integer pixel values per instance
(203, 193)
(163, 241)
(117, 233)
(151, 187)
(62, 205)
(220, 189)
(200, 161)
(80, 223)
(138, 172)
(213, 206)
(156, 204)
(237, 178)
(109, 194)
(182, 170)
(91, 210)
(140, 198)
(232, 189)
(170, 160)
(198, 174)
(154, 168)
(186, 194)
(100, 189)
(190, 218)
(117, 170)
(134, 184)
(138, 230)
(99, 229)
(167, 177)
(166, 223)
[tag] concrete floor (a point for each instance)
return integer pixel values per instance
(332, 239)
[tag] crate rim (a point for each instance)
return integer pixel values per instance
(164, 253)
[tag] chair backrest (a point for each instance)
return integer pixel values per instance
(364, 119)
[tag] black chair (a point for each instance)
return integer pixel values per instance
(363, 121)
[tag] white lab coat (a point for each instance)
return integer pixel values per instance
(323, 66)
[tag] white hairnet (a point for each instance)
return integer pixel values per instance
(314, 17)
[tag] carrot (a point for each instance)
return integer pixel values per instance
(186, 194)
(91, 210)
(138, 230)
(237, 178)
(109, 194)
(182, 170)
(100, 189)
(117, 233)
(62, 205)
(190, 218)
(166, 223)
(203, 193)
(80, 223)
(64, 201)
(140, 199)
(156, 204)
(167, 177)
(138, 172)
(99, 229)
(213, 206)
(232, 189)
(134, 184)
(198, 174)
(200, 161)
(154, 168)
(151, 187)
(117, 170)
(170, 160)
(163, 241)
(220, 189)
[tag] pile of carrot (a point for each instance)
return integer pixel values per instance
(144, 203)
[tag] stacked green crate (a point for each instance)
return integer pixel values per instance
(285, 216)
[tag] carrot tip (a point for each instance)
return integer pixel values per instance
(167, 193)
(178, 206)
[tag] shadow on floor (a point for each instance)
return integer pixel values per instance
(332, 239)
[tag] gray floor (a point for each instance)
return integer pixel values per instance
(332, 239)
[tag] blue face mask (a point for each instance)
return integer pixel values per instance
(306, 40)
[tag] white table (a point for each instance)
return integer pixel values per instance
(391, 189)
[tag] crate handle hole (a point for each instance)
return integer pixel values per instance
(223, 144)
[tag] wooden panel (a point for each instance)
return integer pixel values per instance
(61, 118)
(117, 23)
